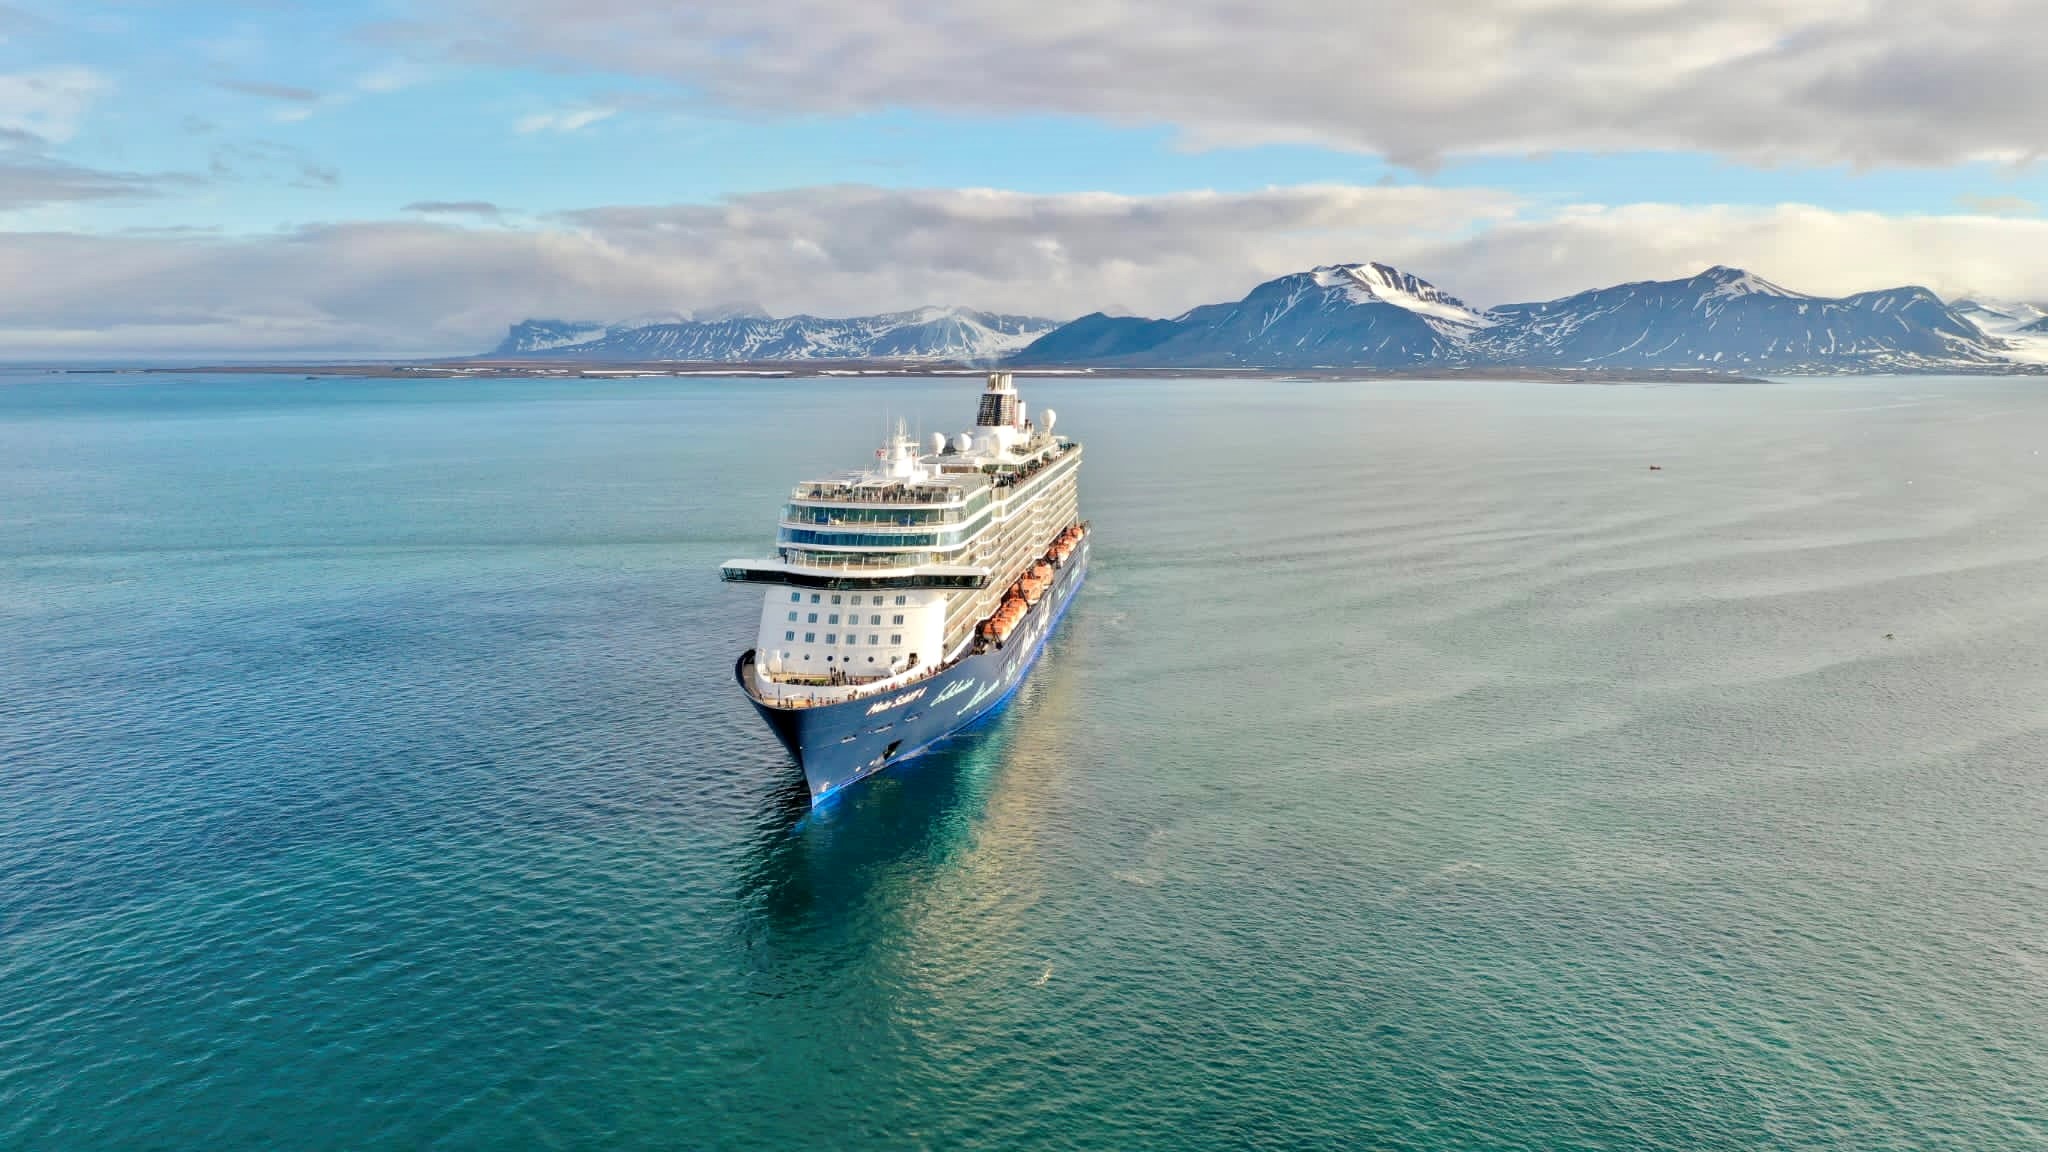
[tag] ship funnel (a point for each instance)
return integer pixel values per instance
(998, 403)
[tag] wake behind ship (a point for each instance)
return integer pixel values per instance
(911, 599)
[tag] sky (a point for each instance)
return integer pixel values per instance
(408, 177)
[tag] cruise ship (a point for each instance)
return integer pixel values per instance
(910, 599)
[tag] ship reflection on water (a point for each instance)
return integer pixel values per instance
(849, 883)
(900, 826)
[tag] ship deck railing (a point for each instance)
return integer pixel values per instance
(859, 693)
(917, 558)
(950, 516)
(848, 494)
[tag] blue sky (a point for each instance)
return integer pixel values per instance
(408, 177)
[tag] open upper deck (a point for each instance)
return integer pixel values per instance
(915, 514)
(868, 489)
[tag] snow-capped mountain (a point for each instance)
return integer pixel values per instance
(531, 336)
(1998, 317)
(1371, 315)
(1336, 314)
(734, 335)
(1728, 318)
(1375, 316)
(2021, 326)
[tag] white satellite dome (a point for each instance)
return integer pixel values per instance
(938, 443)
(963, 443)
(1051, 418)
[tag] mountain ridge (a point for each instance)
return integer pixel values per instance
(735, 334)
(1371, 315)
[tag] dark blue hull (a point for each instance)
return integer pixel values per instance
(837, 744)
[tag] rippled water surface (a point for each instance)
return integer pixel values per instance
(1418, 770)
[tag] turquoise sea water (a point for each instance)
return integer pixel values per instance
(1417, 770)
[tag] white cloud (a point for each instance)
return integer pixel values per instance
(436, 288)
(48, 104)
(288, 93)
(289, 103)
(453, 208)
(1806, 248)
(29, 181)
(414, 288)
(395, 76)
(564, 120)
(1858, 81)
(851, 248)
(1998, 205)
(45, 108)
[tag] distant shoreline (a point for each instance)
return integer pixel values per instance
(846, 369)
(488, 369)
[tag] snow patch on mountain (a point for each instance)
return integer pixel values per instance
(1725, 282)
(1728, 318)
(2021, 326)
(531, 336)
(732, 334)
(1379, 283)
(1334, 315)
(1374, 316)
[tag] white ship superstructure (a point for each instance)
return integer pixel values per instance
(885, 576)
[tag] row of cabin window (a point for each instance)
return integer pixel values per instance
(798, 598)
(851, 618)
(833, 638)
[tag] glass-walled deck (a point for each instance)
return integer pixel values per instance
(900, 516)
(947, 539)
(857, 560)
(890, 494)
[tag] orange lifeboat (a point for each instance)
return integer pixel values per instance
(999, 626)
(1029, 588)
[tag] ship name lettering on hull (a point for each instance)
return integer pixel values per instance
(885, 705)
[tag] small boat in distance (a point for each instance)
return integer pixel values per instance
(910, 599)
